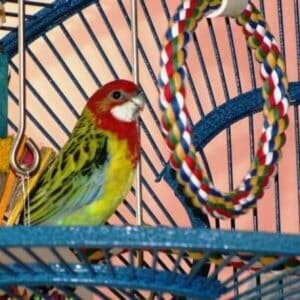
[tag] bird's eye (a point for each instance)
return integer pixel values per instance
(117, 95)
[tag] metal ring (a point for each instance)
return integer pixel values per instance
(16, 166)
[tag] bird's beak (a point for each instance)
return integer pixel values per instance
(139, 100)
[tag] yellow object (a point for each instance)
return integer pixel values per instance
(5, 147)
(10, 182)
(47, 155)
(267, 260)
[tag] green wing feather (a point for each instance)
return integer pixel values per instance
(75, 177)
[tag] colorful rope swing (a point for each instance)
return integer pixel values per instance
(175, 117)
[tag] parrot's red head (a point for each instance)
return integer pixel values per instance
(116, 106)
(119, 100)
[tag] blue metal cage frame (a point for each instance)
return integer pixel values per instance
(62, 273)
(154, 275)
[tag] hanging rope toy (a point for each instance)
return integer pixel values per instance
(175, 120)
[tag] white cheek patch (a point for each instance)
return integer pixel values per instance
(126, 112)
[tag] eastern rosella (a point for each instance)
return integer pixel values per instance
(94, 170)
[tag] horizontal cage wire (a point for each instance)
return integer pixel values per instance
(75, 46)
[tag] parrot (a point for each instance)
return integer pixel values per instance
(92, 173)
(94, 170)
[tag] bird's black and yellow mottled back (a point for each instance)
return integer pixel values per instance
(68, 183)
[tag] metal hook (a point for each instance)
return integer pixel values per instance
(18, 168)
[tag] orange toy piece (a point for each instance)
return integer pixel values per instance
(10, 182)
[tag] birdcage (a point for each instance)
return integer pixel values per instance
(161, 243)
